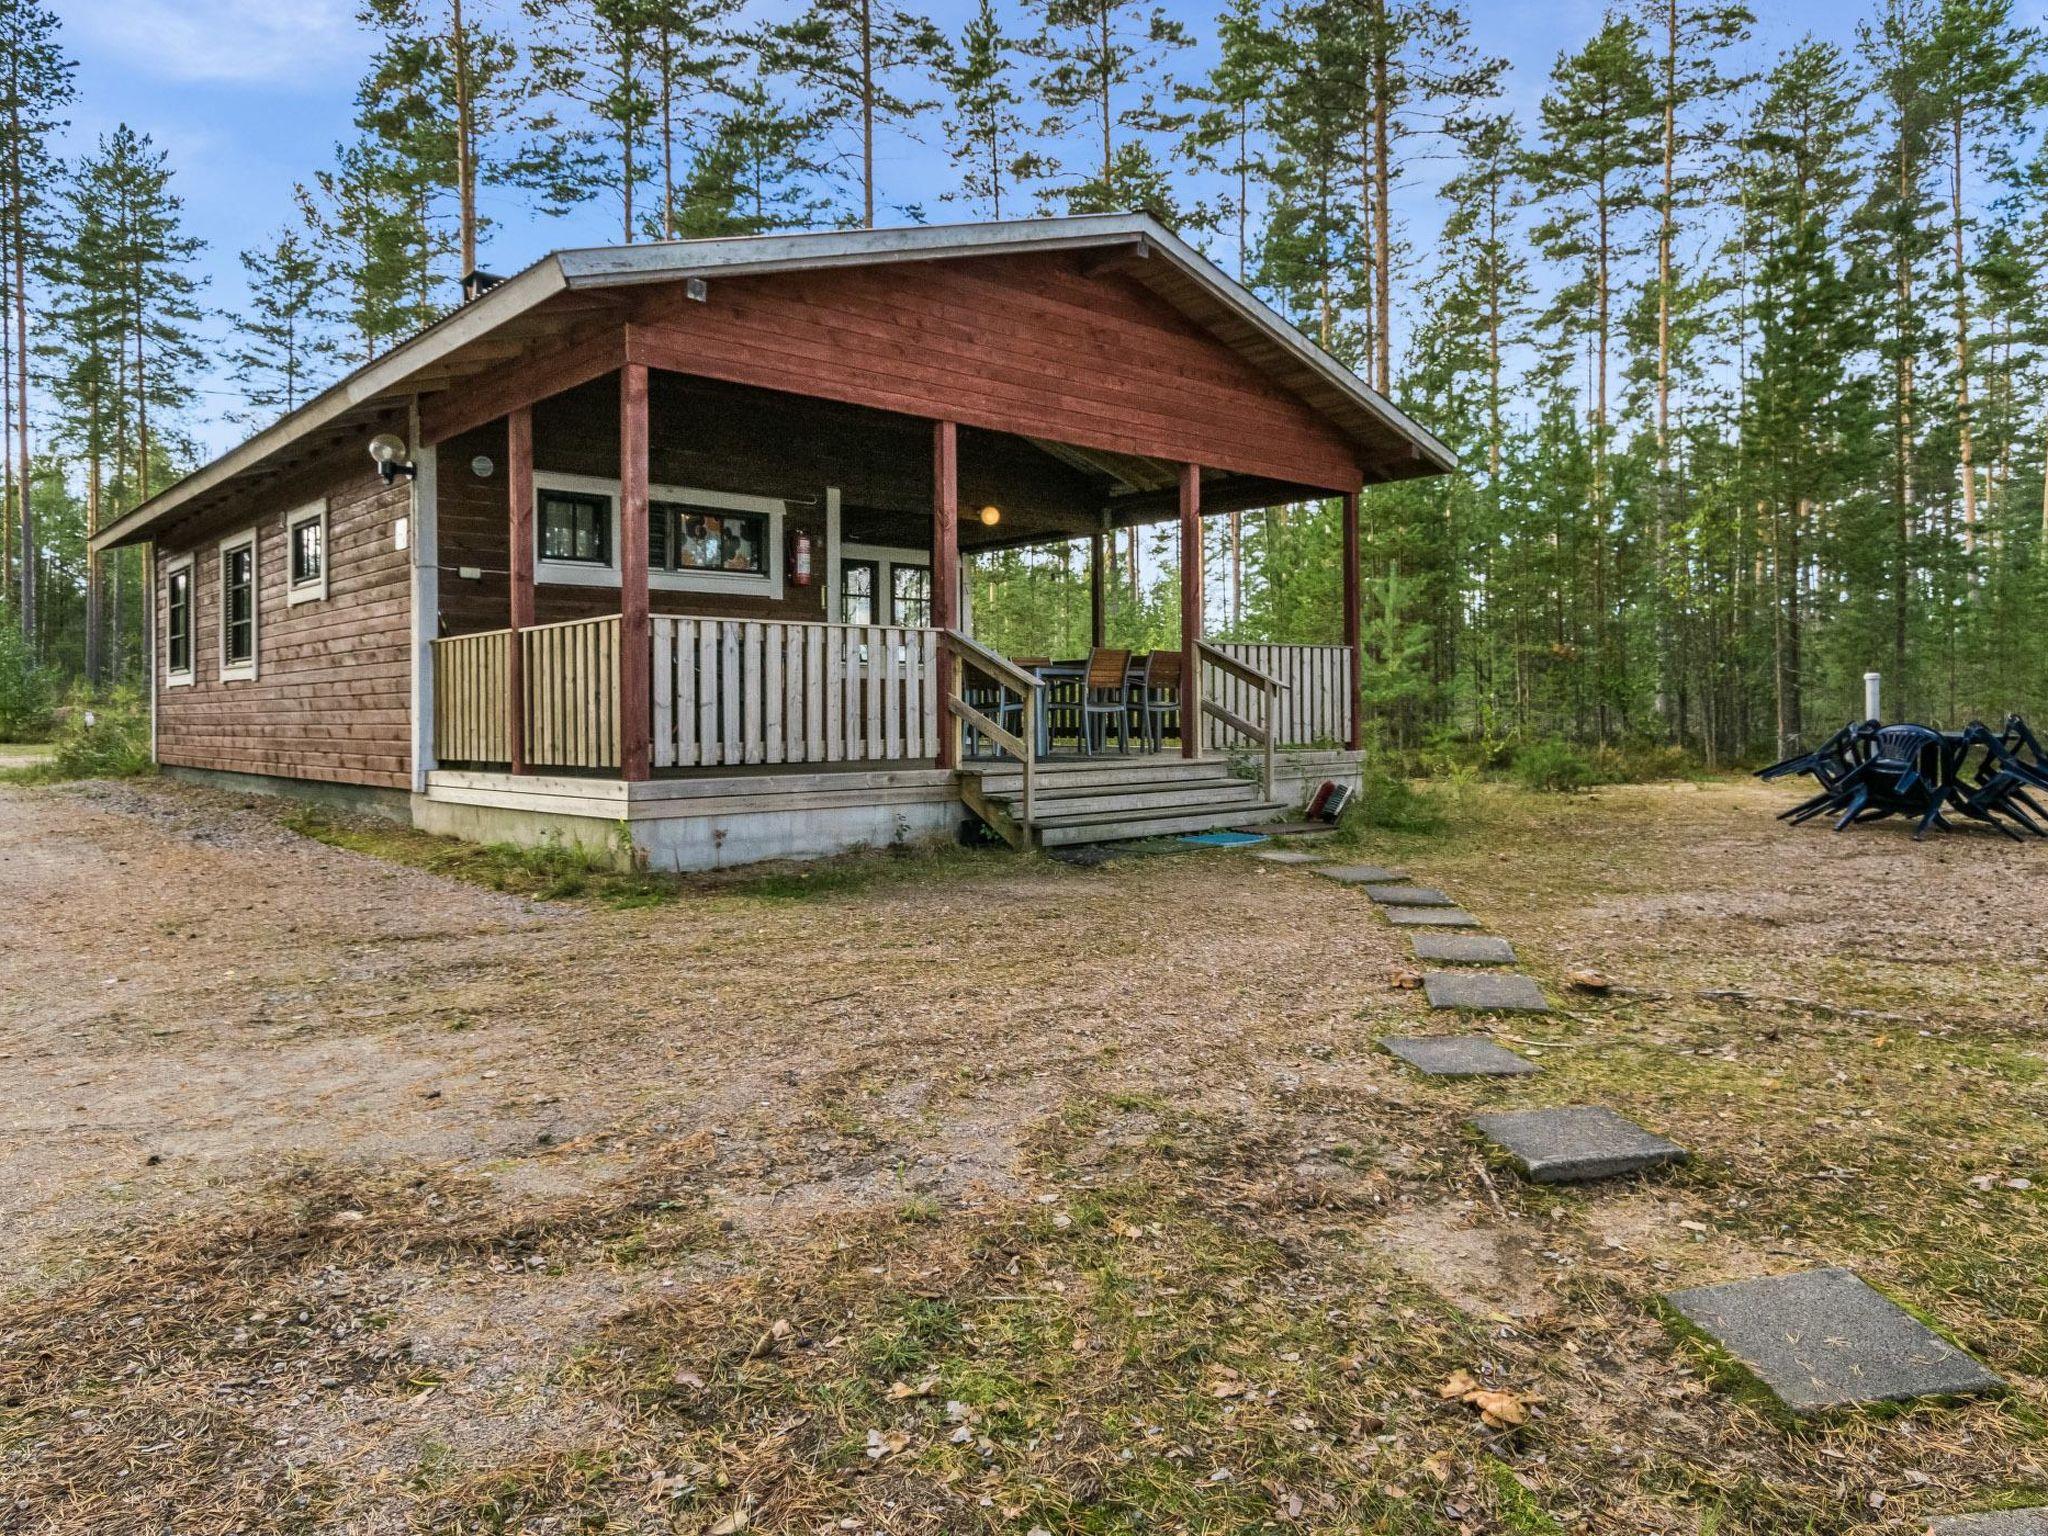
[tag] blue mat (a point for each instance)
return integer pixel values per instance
(1223, 839)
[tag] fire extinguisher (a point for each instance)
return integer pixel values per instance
(801, 560)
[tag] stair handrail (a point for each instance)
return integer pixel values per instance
(1261, 733)
(1022, 745)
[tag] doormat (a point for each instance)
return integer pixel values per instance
(1224, 839)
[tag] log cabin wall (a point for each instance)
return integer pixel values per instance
(716, 436)
(330, 697)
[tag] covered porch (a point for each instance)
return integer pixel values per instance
(651, 577)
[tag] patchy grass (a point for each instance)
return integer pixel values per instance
(949, 1192)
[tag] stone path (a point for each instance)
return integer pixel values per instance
(1821, 1338)
(1463, 949)
(1358, 874)
(1994, 1522)
(1457, 1056)
(1287, 856)
(1818, 1338)
(1572, 1146)
(1484, 992)
(1431, 917)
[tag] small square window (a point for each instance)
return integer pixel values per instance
(306, 554)
(576, 527)
(713, 538)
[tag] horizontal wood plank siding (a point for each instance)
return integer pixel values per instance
(1030, 345)
(331, 696)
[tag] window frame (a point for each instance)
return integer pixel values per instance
(767, 585)
(315, 590)
(175, 677)
(241, 671)
(885, 558)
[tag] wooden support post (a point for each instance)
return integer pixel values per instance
(1191, 724)
(519, 487)
(1098, 591)
(1354, 627)
(636, 642)
(946, 577)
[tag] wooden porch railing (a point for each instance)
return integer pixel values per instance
(734, 691)
(1022, 744)
(1257, 695)
(572, 693)
(1314, 707)
(469, 697)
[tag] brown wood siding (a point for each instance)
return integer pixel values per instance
(1031, 345)
(331, 695)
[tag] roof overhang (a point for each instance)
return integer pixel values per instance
(421, 363)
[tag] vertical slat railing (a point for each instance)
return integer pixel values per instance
(730, 691)
(1312, 710)
(469, 698)
(572, 693)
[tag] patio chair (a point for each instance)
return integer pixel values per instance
(1158, 698)
(1829, 763)
(1105, 698)
(999, 704)
(1906, 774)
(1999, 787)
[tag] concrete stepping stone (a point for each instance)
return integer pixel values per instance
(1994, 1522)
(1408, 896)
(1287, 856)
(1464, 949)
(1429, 917)
(1457, 1056)
(1359, 874)
(1483, 991)
(1821, 1338)
(1571, 1146)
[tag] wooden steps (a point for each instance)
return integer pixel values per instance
(1114, 799)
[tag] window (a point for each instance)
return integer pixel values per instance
(857, 591)
(305, 549)
(238, 608)
(910, 595)
(694, 537)
(178, 622)
(697, 540)
(575, 527)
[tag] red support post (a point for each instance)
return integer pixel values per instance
(1354, 627)
(1190, 610)
(519, 489)
(946, 573)
(636, 641)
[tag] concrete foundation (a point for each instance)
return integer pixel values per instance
(362, 798)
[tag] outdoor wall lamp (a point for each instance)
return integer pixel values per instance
(388, 449)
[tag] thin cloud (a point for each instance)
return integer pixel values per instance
(239, 42)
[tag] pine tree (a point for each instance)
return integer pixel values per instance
(363, 220)
(442, 93)
(1105, 74)
(850, 58)
(694, 48)
(757, 173)
(1229, 135)
(35, 89)
(984, 127)
(597, 56)
(282, 346)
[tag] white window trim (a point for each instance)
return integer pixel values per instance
(171, 568)
(245, 671)
(886, 557)
(310, 591)
(737, 583)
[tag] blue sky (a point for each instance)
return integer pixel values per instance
(250, 96)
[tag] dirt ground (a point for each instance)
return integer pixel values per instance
(990, 1194)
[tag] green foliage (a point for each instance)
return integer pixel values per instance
(106, 739)
(26, 689)
(1557, 766)
(1386, 802)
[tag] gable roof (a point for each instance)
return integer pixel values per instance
(543, 299)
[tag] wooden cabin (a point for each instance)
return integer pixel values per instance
(662, 544)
